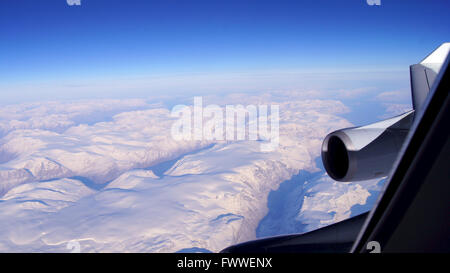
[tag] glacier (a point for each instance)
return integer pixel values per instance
(108, 175)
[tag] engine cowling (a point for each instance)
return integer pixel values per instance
(366, 152)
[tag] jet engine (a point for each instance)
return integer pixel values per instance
(369, 152)
(365, 152)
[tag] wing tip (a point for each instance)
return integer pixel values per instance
(438, 55)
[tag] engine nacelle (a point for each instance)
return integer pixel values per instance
(365, 152)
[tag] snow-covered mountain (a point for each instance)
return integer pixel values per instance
(124, 184)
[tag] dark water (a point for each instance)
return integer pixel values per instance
(287, 200)
(280, 205)
(370, 202)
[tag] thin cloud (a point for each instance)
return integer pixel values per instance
(394, 109)
(394, 96)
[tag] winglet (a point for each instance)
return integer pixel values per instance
(424, 74)
(437, 56)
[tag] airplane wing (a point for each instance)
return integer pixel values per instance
(423, 74)
(413, 150)
(413, 214)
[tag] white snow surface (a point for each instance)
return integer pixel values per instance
(65, 176)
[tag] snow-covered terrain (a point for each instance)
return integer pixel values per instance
(310, 201)
(108, 175)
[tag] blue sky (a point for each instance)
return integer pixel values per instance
(49, 49)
